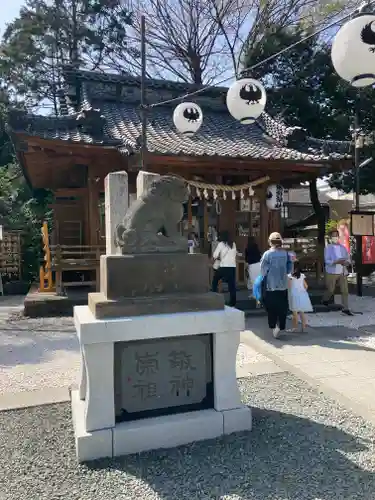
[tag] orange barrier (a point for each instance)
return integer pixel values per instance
(45, 272)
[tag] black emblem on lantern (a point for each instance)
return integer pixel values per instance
(368, 36)
(191, 114)
(250, 93)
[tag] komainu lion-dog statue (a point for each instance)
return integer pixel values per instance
(150, 225)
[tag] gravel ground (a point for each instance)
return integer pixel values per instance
(303, 447)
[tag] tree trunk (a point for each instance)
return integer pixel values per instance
(321, 217)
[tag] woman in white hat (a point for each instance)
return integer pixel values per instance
(275, 266)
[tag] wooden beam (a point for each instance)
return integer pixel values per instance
(243, 164)
(58, 143)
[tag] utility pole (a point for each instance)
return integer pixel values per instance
(357, 148)
(143, 94)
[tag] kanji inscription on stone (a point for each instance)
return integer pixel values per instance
(162, 373)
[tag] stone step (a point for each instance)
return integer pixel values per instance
(248, 305)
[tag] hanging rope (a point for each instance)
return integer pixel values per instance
(204, 187)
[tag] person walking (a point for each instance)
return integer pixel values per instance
(225, 265)
(275, 265)
(299, 300)
(336, 260)
(252, 257)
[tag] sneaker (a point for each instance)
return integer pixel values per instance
(276, 332)
(347, 312)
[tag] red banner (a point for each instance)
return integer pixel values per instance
(368, 243)
(368, 250)
(344, 235)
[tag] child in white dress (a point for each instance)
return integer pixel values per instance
(299, 300)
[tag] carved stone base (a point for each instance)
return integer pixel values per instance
(101, 307)
(94, 413)
(153, 274)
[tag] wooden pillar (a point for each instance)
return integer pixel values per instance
(205, 225)
(93, 209)
(260, 193)
(274, 221)
(190, 214)
(227, 218)
(86, 216)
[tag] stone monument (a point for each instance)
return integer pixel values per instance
(158, 348)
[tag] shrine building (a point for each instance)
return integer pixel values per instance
(228, 166)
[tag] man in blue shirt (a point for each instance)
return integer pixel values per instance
(336, 260)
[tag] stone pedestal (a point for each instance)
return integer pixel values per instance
(144, 180)
(116, 195)
(158, 358)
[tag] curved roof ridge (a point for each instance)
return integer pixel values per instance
(274, 127)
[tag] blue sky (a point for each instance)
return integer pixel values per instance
(9, 12)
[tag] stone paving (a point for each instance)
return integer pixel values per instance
(337, 359)
(40, 360)
(364, 305)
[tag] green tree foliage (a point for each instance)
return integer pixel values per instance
(304, 90)
(364, 100)
(46, 36)
(300, 83)
(301, 86)
(20, 207)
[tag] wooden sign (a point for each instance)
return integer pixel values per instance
(362, 223)
(245, 205)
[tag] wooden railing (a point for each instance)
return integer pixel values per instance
(85, 259)
(76, 258)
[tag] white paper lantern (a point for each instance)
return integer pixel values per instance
(246, 100)
(353, 51)
(188, 118)
(275, 197)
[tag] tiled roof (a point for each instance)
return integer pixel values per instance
(365, 200)
(301, 196)
(116, 99)
(64, 128)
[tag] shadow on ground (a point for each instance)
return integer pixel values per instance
(334, 337)
(259, 465)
